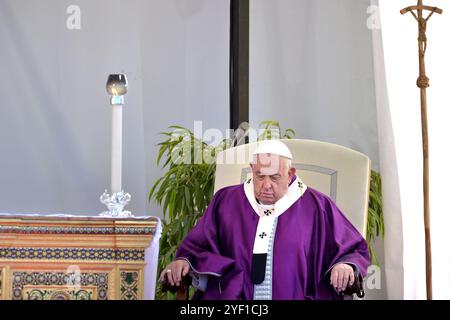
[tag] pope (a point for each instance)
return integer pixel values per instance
(271, 237)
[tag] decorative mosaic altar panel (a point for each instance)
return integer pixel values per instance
(73, 258)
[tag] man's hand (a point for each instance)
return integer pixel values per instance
(175, 271)
(342, 275)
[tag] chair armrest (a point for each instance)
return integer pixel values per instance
(356, 288)
(182, 290)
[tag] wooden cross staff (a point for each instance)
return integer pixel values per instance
(423, 84)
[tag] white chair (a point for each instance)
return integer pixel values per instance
(339, 172)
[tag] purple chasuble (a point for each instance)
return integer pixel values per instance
(312, 235)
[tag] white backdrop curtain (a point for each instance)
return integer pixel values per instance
(55, 122)
(311, 69)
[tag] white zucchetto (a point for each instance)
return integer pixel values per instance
(273, 147)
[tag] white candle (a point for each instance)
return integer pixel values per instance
(116, 149)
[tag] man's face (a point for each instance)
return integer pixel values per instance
(271, 177)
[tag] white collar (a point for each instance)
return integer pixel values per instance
(296, 189)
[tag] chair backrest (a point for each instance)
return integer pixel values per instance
(340, 172)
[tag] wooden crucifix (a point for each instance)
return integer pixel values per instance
(423, 84)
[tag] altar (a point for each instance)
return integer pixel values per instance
(61, 257)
